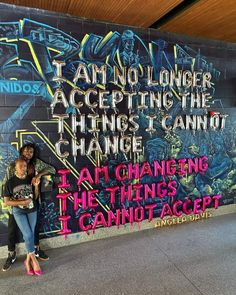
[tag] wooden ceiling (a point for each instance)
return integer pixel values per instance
(213, 19)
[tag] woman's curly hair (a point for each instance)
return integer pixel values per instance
(32, 162)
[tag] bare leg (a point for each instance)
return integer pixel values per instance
(34, 262)
(28, 266)
(28, 261)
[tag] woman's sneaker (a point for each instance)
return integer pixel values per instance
(41, 254)
(10, 260)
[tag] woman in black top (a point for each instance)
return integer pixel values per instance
(20, 194)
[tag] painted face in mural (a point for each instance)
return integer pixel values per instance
(28, 153)
(128, 40)
(129, 45)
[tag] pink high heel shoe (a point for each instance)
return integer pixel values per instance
(38, 272)
(29, 272)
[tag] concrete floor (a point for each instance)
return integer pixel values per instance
(189, 259)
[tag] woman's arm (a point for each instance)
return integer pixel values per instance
(9, 173)
(36, 183)
(22, 202)
(43, 168)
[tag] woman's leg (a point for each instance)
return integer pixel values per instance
(28, 235)
(32, 218)
(12, 233)
(26, 223)
(37, 227)
(34, 262)
(28, 265)
(25, 227)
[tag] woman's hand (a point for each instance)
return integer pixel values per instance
(26, 202)
(36, 180)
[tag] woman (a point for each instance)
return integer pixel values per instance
(19, 194)
(35, 168)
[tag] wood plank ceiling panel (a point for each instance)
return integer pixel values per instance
(53, 5)
(130, 12)
(104, 10)
(146, 12)
(139, 13)
(214, 19)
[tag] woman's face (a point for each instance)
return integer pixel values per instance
(28, 153)
(21, 167)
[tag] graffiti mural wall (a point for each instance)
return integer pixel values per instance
(138, 123)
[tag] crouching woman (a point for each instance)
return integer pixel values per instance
(21, 195)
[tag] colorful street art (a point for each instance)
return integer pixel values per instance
(28, 51)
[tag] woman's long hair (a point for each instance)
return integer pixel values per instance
(32, 162)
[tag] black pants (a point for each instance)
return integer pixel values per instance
(13, 237)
